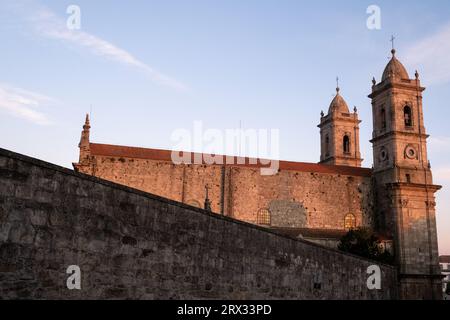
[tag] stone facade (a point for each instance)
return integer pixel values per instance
(395, 198)
(134, 245)
(299, 196)
(403, 179)
(339, 134)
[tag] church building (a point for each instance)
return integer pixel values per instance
(321, 201)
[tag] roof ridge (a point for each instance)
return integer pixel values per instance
(165, 155)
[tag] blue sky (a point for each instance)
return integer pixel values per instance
(151, 67)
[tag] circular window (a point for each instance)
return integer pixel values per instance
(383, 154)
(410, 152)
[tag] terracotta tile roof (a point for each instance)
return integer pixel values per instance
(165, 155)
(444, 259)
(316, 233)
(311, 233)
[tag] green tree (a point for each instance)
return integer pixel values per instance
(363, 242)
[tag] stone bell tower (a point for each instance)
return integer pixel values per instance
(403, 180)
(339, 134)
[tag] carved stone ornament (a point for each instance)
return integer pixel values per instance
(403, 202)
(430, 204)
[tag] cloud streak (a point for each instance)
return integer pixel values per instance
(47, 24)
(439, 143)
(432, 54)
(23, 104)
(439, 148)
(442, 174)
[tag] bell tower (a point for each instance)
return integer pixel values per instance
(403, 180)
(339, 134)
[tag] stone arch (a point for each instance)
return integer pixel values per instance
(383, 118)
(327, 145)
(407, 115)
(193, 203)
(346, 144)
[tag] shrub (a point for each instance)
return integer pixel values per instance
(363, 242)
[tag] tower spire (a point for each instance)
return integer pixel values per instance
(337, 85)
(87, 124)
(84, 144)
(84, 141)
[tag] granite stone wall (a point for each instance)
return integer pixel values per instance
(294, 198)
(131, 244)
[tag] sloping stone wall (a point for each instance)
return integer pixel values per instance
(130, 244)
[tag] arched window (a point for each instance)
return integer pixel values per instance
(383, 118)
(346, 144)
(407, 113)
(327, 145)
(349, 222)
(194, 203)
(263, 217)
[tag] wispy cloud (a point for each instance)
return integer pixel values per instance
(439, 147)
(23, 104)
(443, 173)
(47, 24)
(432, 56)
(439, 142)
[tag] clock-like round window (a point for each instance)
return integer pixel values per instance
(410, 152)
(383, 154)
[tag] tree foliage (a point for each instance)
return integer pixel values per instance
(363, 242)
